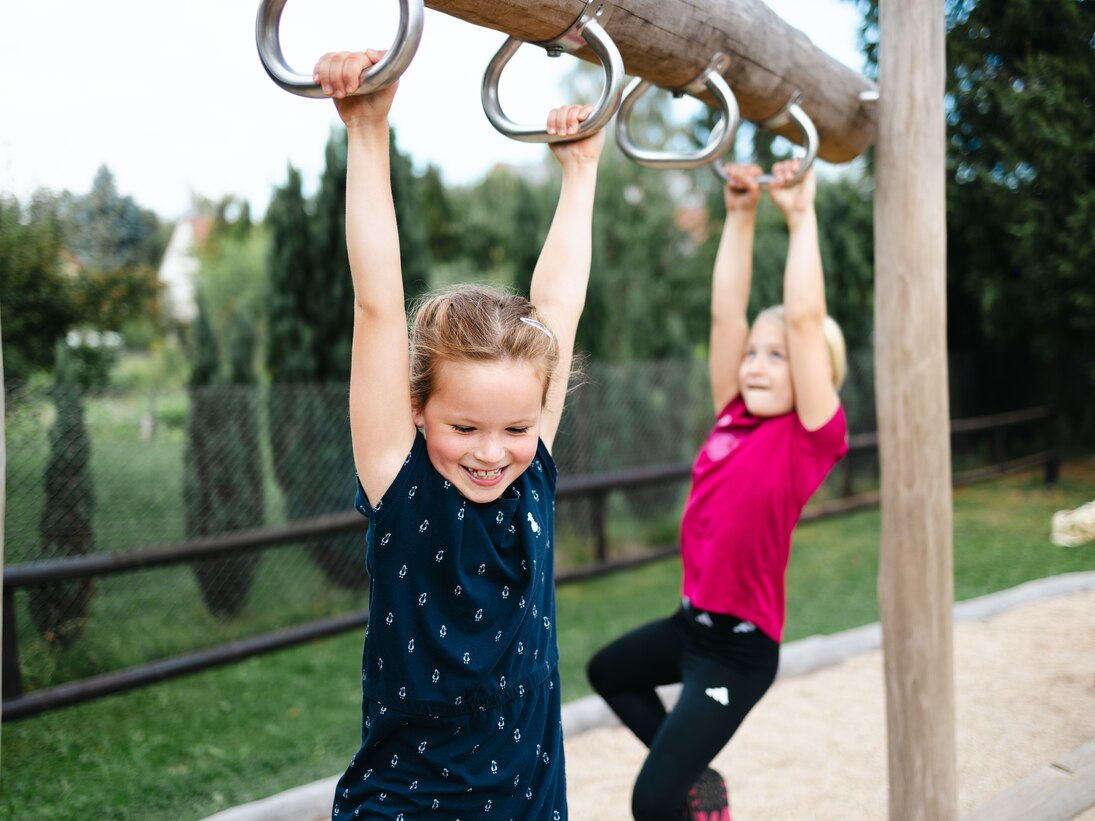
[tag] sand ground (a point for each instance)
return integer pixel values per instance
(814, 749)
(815, 746)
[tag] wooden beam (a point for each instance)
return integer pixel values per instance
(915, 586)
(670, 42)
(1057, 792)
(3, 483)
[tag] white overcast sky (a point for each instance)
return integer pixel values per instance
(173, 99)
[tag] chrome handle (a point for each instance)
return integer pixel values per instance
(592, 34)
(385, 72)
(791, 112)
(722, 135)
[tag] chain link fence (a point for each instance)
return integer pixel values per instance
(92, 472)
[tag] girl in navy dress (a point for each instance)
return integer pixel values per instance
(461, 705)
(779, 429)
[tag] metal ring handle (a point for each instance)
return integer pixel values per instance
(791, 112)
(385, 72)
(609, 102)
(722, 135)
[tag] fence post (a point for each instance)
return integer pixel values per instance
(1053, 448)
(599, 535)
(13, 681)
(848, 479)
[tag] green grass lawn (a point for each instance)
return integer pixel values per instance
(190, 747)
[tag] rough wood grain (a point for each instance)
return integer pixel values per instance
(1057, 792)
(670, 42)
(916, 587)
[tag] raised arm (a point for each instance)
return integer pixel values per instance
(381, 423)
(816, 399)
(562, 271)
(730, 282)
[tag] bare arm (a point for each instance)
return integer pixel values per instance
(381, 424)
(730, 283)
(816, 399)
(562, 271)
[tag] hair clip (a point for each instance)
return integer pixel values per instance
(537, 324)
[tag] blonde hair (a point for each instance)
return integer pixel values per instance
(477, 323)
(834, 340)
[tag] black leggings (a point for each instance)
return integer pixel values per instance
(725, 666)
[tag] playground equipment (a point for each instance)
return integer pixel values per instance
(720, 139)
(722, 55)
(670, 43)
(386, 71)
(587, 31)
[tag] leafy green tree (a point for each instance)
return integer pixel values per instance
(59, 609)
(1020, 174)
(331, 289)
(35, 297)
(116, 247)
(310, 311)
(107, 231)
(845, 208)
(328, 457)
(1021, 192)
(438, 217)
(232, 277)
(527, 237)
(648, 295)
(291, 358)
(414, 249)
(487, 226)
(289, 267)
(223, 465)
(111, 299)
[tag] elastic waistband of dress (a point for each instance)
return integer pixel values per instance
(483, 700)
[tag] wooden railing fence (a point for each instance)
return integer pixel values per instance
(596, 488)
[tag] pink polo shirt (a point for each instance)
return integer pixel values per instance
(750, 481)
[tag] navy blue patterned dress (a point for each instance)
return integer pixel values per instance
(461, 711)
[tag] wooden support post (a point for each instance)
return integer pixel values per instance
(670, 42)
(3, 483)
(916, 586)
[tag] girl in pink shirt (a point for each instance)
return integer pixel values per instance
(778, 432)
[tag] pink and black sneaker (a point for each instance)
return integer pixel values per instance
(708, 800)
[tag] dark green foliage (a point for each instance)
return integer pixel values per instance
(330, 292)
(845, 208)
(35, 298)
(328, 460)
(289, 350)
(310, 321)
(529, 230)
(414, 249)
(1020, 89)
(59, 608)
(222, 488)
(647, 293)
(65, 258)
(223, 479)
(438, 217)
(310, 308)
(487, 229)
(1021, 184)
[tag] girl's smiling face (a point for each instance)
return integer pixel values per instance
(482, 424)
(764, 377)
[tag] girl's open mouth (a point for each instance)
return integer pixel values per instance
(485, 477)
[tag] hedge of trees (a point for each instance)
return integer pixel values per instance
(275, 296)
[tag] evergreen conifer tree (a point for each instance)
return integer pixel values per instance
(59, 609)
(223, 481)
